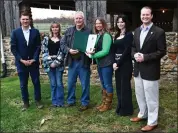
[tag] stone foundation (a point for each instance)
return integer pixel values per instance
(168, 63)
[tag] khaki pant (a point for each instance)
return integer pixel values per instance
(147, 94)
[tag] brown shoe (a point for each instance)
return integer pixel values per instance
(137, 119)
(25, 106)
(83, 108)
(39, 105)
(69, 105)
(148, 128)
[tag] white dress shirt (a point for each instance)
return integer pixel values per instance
(26, 34)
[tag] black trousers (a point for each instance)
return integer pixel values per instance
(123, 89)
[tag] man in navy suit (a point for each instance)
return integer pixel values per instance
(26, 47)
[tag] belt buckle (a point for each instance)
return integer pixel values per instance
(117, 56)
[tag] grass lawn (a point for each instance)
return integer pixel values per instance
(70, 119)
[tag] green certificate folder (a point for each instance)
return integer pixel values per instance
(80, 41)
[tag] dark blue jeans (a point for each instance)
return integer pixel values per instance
(105, 74)
(77, 69)
(23, 77)
(57, 88)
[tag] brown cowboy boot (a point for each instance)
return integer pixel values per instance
(107, 103)
(103, 99)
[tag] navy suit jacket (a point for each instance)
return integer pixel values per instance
(21, 50)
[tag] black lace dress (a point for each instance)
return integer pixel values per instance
(123, 75)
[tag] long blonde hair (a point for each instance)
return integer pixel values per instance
(58, 25)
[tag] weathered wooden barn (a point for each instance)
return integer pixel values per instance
(165, 11)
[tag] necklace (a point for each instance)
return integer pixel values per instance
(55, 39)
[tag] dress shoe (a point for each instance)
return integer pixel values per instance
(39, 105)
(70, 105)
(83, 108)
(60, 106)
(53, 106)
(148, 128)
(25, 106)
(137, 119)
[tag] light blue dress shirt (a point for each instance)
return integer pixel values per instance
(144, 32)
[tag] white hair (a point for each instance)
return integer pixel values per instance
(79, 13)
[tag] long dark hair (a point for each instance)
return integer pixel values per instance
(127, 25)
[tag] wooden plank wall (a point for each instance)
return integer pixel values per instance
(91, 9)
(2, 18)
(175, 20)
(10, 16)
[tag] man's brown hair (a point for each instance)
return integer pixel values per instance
(24, 14)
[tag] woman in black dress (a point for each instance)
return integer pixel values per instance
(123, 66)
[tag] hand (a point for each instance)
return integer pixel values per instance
(53, 56)
(49, 58)
(115, 67)
(139, 57)
(31, 61)
(89, 55)
(26, 63)
(136, 55)
(52, 65)
(92, 51)
(72, 51)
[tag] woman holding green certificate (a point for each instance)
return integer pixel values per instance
(104, 58)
